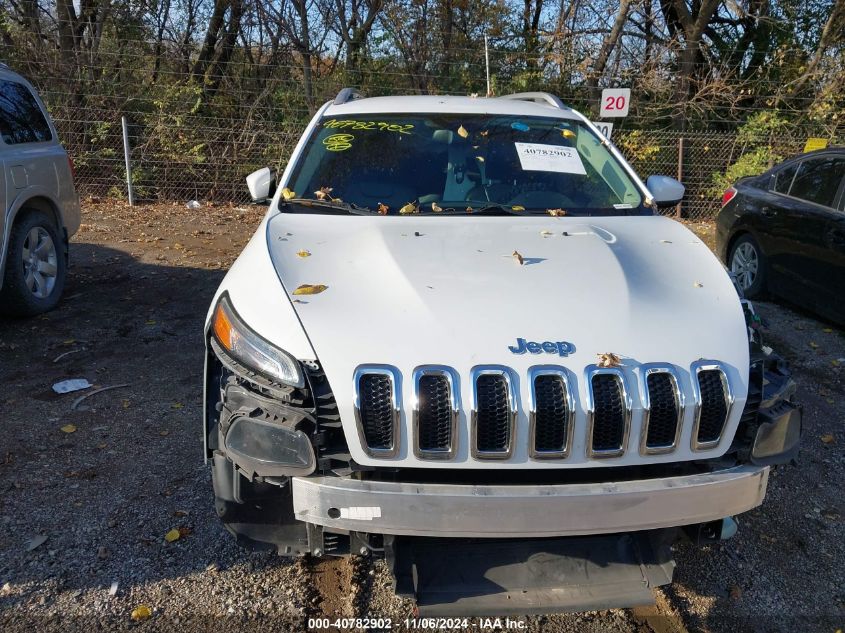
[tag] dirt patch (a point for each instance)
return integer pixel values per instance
(83, 509)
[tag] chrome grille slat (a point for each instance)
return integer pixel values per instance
(713, 403)
(552, 416)
(609, 412)
(377, 389)
(663, 409)
(436, 412)
(493, 414)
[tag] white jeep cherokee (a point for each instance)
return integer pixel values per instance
(463, 339)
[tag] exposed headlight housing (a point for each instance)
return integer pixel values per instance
(247, 347)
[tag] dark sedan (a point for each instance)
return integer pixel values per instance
(784, 232)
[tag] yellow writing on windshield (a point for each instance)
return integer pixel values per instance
(338, 142)
(381, 126)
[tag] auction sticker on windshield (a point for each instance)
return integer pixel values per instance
(539, 157)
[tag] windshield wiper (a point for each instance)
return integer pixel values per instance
(497, 209)
(335, 205)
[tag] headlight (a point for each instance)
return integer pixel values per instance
(250, 349)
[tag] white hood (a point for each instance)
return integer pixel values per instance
(410, 291)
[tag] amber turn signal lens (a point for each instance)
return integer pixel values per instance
(222, 327)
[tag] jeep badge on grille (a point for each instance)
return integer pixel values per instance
(561, 348)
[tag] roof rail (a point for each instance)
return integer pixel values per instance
(537, 97)
(346, 95)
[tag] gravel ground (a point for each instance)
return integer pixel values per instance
(87, 494)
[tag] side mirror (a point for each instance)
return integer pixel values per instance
(667, 191)
(261, 184)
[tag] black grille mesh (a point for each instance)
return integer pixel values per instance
(551, 414)
(714, 409)
(435, 413)
(663, 414)
(609, 413)
(375, 392)
(493, 424)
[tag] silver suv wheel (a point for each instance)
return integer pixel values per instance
(40, 262)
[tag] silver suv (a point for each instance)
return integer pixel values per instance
(40, 206)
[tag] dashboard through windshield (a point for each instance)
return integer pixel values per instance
(460, 163)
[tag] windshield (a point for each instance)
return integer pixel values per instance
(459, 163)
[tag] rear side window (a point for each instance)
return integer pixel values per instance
(818, 180)
(783, 179)
(21, 120)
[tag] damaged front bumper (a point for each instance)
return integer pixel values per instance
(520, 511)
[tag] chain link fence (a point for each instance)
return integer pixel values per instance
(208, 160)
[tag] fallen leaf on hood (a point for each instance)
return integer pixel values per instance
(556, 213)
(288, 194)
(828, 438)
(517, 207)
(546, 233)
(484, 133)
(827, 330)
(480, 159)
(310, 289)
(141, 612)
(324, 193)
(164, 432)
(184, 531)
(665, 241)
(68, 428)
(469, 209)
(814, 345)
(698, 284)
(383, 208)
(462, 132)
(172, 535)
(176, 405)
(609, 360)
(518, 257)
(436, 207)
(567, 134)
(180, 513)
(304, 253)
(408, 209)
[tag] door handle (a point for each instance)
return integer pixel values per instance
(836, 236)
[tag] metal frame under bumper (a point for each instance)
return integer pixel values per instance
(523, 511)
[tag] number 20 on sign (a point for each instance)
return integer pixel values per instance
(615, 102)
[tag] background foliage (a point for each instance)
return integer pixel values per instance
(215, 88)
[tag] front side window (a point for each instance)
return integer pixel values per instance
(21, 120)
(817, 179)
(783, 178)
(458, 163)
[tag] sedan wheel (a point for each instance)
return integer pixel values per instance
(745, 264)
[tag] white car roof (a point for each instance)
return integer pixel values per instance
(448, 104)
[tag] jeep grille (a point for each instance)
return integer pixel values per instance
(551, 412)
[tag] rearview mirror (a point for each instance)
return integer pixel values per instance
(261, 184)
(667, 192)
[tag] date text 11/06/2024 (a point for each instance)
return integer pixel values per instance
(483, 624)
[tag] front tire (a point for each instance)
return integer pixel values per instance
(748, 263)
(35, 265)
